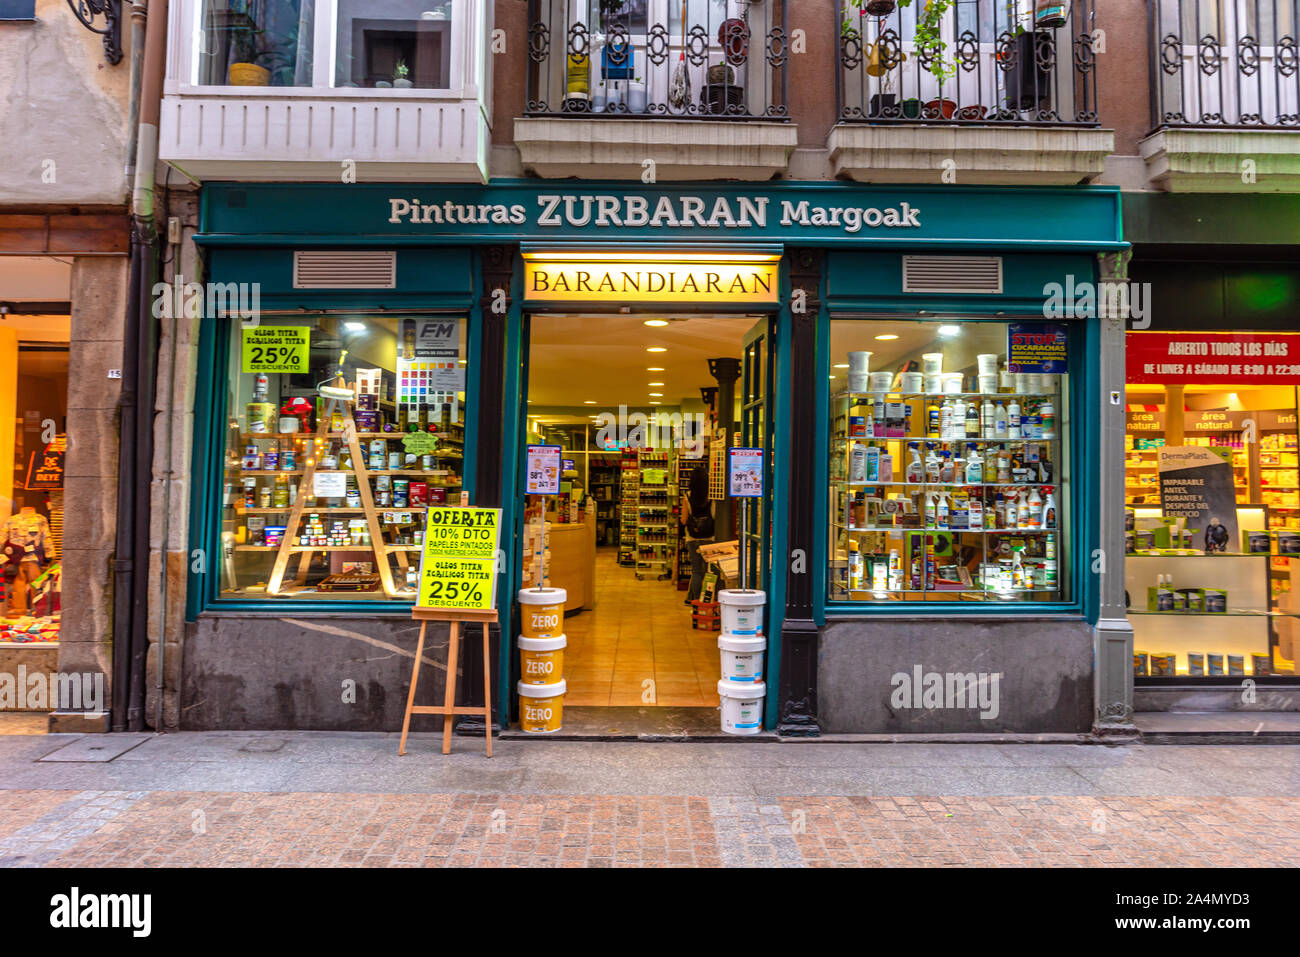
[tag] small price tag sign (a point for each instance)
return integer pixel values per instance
(745, 473)
(543, 470)
(276, 349)
(458, 562)
(420, 443)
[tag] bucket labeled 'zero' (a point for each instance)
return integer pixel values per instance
(742, 658)
(742, 706)
(541, 612)
(541, 660)
(541, 707)
(742, 611)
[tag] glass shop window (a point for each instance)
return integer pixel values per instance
(949, 473)
(394, 44)
(340, 431)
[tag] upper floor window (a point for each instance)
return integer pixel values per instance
(366, 44)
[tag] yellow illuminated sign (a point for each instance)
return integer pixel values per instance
(458, 562)
(557, 278)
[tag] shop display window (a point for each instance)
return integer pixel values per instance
(31, 514)
(256, 43)
(948, 462)
(331, 461)
(1212, 491)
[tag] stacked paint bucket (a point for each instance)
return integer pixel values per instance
(541, 659)
(741, 690)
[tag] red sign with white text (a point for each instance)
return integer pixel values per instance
(1210, 358)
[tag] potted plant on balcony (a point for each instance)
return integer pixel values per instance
(244, 69)
(722, 94)
(401, 75)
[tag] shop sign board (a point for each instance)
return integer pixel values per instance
(745, 473)
(1140, 422)
(715, 281)
(1196, 485)
(1209, 358)
(1277, 421)
(1037, 347)
(45, 469)
(276, 349)
(1216, 421)
(543, 470)
(458, 563)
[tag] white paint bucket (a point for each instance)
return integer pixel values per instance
(988, 384)
(881, 381)
(742, 658)
(988, 363)
(742, 611)
(932, 363)
(911, 383)
(858, 381)
(934, 383)
(859, 363)
(1033, 383)
(952, 382)
(742, 706)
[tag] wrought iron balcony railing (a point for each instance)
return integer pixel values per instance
(979, 62)
(666, 59)
(1225, 63)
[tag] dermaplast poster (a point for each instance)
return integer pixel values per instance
(1196, 485)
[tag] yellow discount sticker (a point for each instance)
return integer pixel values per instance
(276, 349)
(458, 565)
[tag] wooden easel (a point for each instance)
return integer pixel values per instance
(448, 708)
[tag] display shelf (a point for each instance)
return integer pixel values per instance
(894, 393)
(917, 528)
(952, 485)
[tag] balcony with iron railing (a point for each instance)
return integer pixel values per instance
(1225, 95)
(699, 87)
(986, 91)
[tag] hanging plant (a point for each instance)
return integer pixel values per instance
(928, 38)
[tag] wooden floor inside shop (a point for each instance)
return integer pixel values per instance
(638, 630)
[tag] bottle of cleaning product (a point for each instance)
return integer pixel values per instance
(1048, 412)
(1049, 548)
(1004, 467)
(879, 575)
(1032, 517)
(945, 469)
(972, 420)
(918, 571)
(1000, 421)
(915, 470)
(988, 420)
(895, 570)
(931, 506)
(885, 474)
(1049, 513)
(1013, 420)
(990, 466)
(932, 467)
(1000, 511)
(1017, 571)
(957, 425)
(945, 419)
(855, 566)
(933, 420)
(1013, 509)
(974, 469)
(873, 464)
(941, 511)
(858, 464)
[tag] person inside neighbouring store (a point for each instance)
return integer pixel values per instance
(697, 526)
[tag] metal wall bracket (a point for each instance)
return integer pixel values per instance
(89, 12)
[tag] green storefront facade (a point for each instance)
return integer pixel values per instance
(988, 262)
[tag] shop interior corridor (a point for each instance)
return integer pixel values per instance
(639, 631)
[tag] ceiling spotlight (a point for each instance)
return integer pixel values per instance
(653, 402)
(950, 330)
(663, 349)
(840, 365)
(655, 369)
(656, 322)
(887, 337)
(657, 394)
(653, 384)
(354, 326)
(588, 401)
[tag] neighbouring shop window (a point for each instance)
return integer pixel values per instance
(35, 402)
(256, 43)
(1212, 493)
(341, 429)
(948, 474)
(395, 44)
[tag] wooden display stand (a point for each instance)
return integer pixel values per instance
(448, 708)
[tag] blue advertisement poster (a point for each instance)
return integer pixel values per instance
(1037, 347)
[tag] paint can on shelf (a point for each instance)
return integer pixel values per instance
(541, 660)
(742, 706)
(541, 707)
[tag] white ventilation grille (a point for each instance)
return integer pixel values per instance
(953, 274)
(344, 269)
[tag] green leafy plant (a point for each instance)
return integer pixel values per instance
(401, 71)
(928, 38)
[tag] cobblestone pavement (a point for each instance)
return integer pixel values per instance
(347, 799)
(167, 828)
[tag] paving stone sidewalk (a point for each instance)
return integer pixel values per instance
(187, 829)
